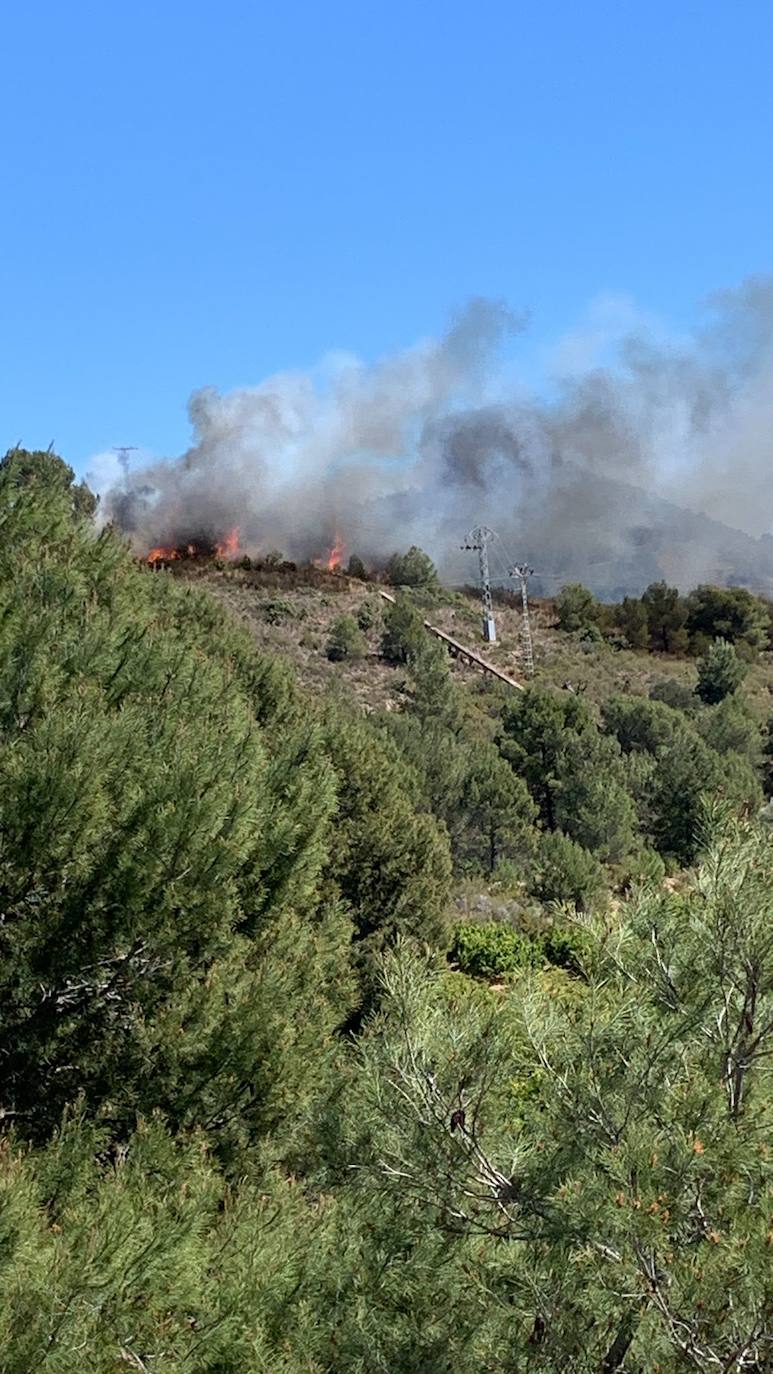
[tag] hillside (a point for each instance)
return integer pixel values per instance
(295, 621)
(432, 1036)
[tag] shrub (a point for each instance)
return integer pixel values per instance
(278, 610)
(720, 673)
(565, 872)
(493, 950)
(369, 614)
(404, 633)
(675, 694)
(576, 608)
(356, 568)
(412, 569)
(346, 640)
(566, 948)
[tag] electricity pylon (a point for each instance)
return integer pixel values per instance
(477, 541)
(523, 572)
(123, 451)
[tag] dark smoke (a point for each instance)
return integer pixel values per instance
(630, 471)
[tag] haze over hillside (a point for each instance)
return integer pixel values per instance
(617, 474)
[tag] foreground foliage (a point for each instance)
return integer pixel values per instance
(251, 1120)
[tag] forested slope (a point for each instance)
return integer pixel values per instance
(254, 1118)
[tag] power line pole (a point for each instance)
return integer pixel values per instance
(523, 572)
(123, 451)
(477, 541)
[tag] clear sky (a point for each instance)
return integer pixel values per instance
(205, 193)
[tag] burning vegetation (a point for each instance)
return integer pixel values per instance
(334, 559)
(204, 548)
(199, 547)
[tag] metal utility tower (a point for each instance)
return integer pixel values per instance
(478, 541)
(123, 451)
(523, 572)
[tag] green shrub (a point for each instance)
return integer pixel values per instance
(346, 640)
(356, 568)
(369, 614)
(412, 569)
(566, 948)
(674, 694)
(565, 872)
(576, 608)
(720, 673)
(278, 610)
(493, 950)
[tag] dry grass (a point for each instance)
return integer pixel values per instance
(299, 627)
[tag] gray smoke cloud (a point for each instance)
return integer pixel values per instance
(627, 472)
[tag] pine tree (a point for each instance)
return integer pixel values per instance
(412, 569)
(434, 695)
(566, 872)
(633, 622)
(729, 613)
(496, 813)
(391, 862)
(679, 773)
(666, 618)
(575, 776)
(720, 673)
(576, 608)
(404, 634)
(614, 1116)
(346, 640)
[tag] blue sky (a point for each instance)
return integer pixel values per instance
(203, 194)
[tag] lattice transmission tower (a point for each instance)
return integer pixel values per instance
(523, 572)
(123, 451)
(477, 541)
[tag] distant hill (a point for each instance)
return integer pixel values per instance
(617, 538)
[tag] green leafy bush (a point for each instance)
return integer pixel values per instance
(346, 640)
(492, 950)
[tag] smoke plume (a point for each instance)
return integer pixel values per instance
(653, 464)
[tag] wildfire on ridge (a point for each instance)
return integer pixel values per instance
(226, 547)
(333, 560)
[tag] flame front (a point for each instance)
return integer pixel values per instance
(336, 556)
(228, 547)
(159, 554)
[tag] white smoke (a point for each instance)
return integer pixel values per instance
(422, 445)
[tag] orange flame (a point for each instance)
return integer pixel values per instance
(159, 554)
(228, 547)
(336, 556)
